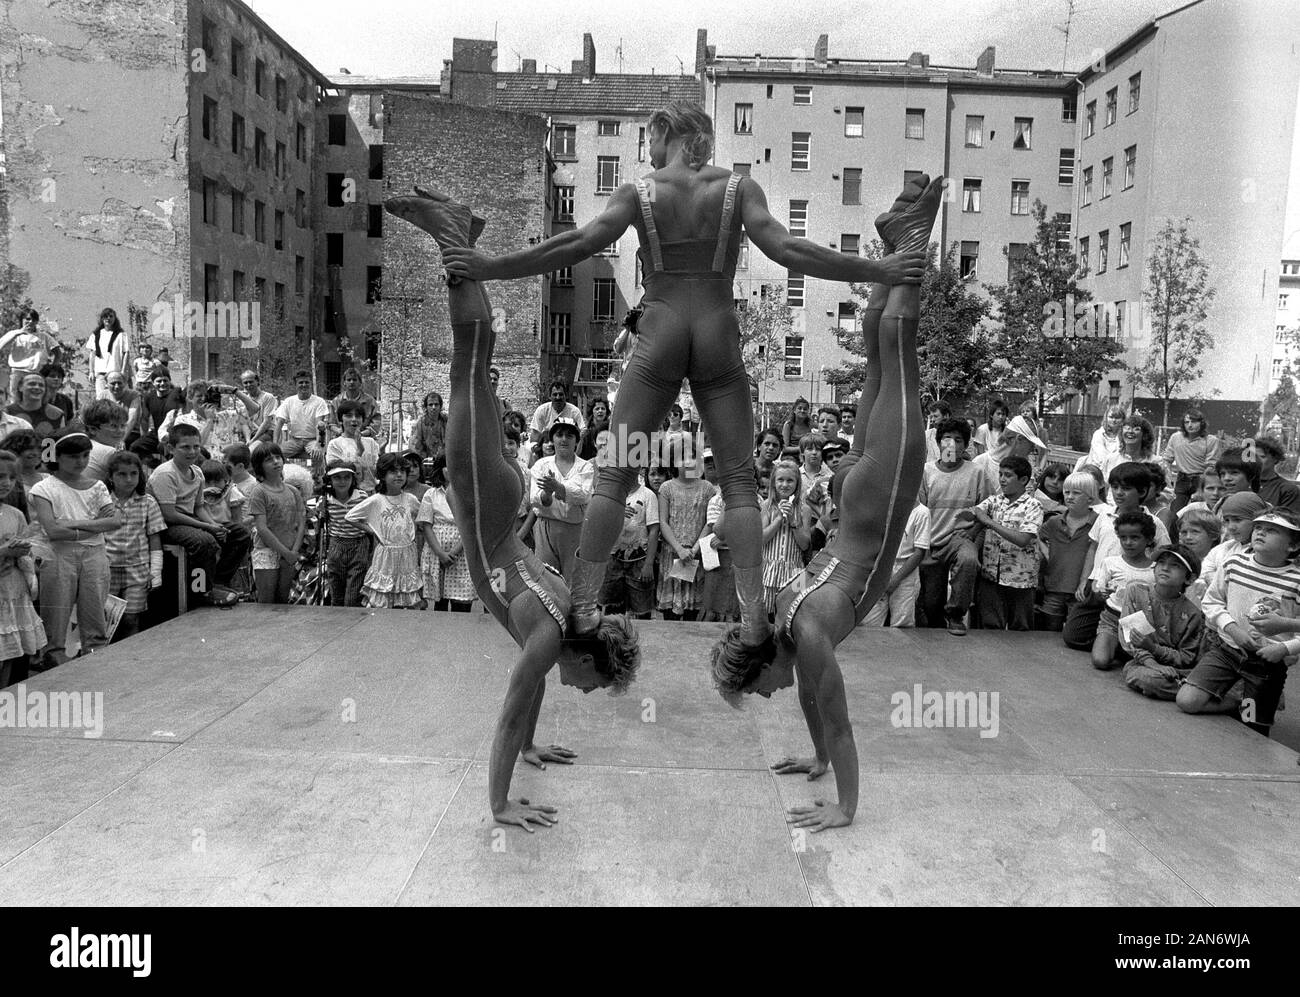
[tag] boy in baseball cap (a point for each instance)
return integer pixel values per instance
(1166, 639)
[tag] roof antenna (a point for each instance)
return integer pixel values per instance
(1065, 30)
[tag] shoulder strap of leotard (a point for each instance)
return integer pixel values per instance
(724, 231)
(652, 234)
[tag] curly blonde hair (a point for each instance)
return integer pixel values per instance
(688, 122)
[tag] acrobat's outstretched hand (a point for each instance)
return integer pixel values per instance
(815, 767)
(820, 816)
(534, 755)
(521, 813)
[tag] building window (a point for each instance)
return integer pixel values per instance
(237, 212)
(1107, 170)
(260, 158)
(559, 336)
(236, 134)
(300, 208)
(562, 277)
(640, 144)
(1112, 101)
(1130, 165)
(237, 287)
(853, 122)
(1125, 231)
(1278, 367)
(607, 128)
(259, 77)
(794, 356)
(1020, 197)
(259, 290)
(1065, 168)
(334, 249)
(279, 301)
(744, 119)
(279, 230)
(1083, 256)
(974, 131)
(259, 221)
(375, 221)
(610, 250)
(1090, 120)
(211, 283)
(741, 168)
(299, 274)
(281, 94)
(970, 194)
(1024, 134)
(300, 143)
(564, 141)
(852, 185)
(794, 289)
(1061, 225)
(742, 260)
(209, 118)
(914, 123)
(1103, 250)
(1069, 107)
(1291, 268)
(603, 294)
(236, 57)
(799, 218)
(210, 39)
(334, 190)
(1134, 91)
(1016, 253)
(800, 146)
(374, 284)
(970, 258)
(1282, 300)
(338, 129)
(376, 162)
(802, 95)
(1086, 197)
(564, 204)
(850, 243)
(848, 316)
(606, 174)
(1120, 308)
(376, 109)
(1112, 397)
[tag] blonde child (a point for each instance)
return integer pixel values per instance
(787, 529)
(135, 555)
(1063, 546)
(394, 579)
(21, 631)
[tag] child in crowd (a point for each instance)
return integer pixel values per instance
(1155, 501)
(1063, 548)
(279, 514)
(362, 452)
(683, 509)
(1236, 513)
(347, 548)
(787, 530)
(224, 501)
(146, 448)
(719, 585)
(1200, 532)
(1135, 533)
(1236, 474)
(897, 607)
(394, 579)
(1208, 494)
(105, 423)
(767, 448)
(414, 464)
(26, 445)
(1163, 657)
(74, 512)
(1252, 631)
(1051, 489)
(135, 554)
(1098, 476)
(1009, 569)
(21, 631)
(814, 476)
(446, 569)
(629, 585)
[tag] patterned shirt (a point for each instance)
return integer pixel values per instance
(128, 545)
(1004, 562)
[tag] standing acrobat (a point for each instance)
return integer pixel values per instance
(874, 488)
(527, 598)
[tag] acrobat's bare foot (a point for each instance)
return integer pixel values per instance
(905, 227)
(451, 224)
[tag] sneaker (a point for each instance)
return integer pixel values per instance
(957, 626)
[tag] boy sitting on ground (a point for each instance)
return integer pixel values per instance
(1164, 654)
(1135, 531)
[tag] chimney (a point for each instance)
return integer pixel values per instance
(471, 55)
(530, 66)
(984, 64)
(819, 53)
(701, 49)
(918, 60)
(577, 67)
(588, 57)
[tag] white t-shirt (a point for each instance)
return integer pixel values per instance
(109, 361)
(644, 506)
(916, 535)
(303, 416)
(71, 503)
(99, 455)
(362, 454)
(546, 414)
(28, 351)
(1103, 533)
(579, 484)
(266, 404)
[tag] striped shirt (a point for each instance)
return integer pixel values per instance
(128, 545)
(1243, 582)
(339, 527)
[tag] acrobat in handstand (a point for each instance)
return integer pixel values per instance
(526, 597)
(874, 488)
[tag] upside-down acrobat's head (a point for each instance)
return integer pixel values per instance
(606, 659)
(741, 669)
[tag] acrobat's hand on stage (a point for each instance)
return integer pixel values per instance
(534, 755)
(813, 766)
(461, 261)
(522, 813)
(820, 816)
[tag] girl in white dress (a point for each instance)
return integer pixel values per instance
(394, 579)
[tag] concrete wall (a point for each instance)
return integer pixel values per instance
(494, 161)
(97, 145)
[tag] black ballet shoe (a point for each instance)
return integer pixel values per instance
(906, 226)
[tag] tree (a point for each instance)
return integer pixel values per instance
(1048, 336)
(955, 351)
(1176, 299)
(763, 330)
